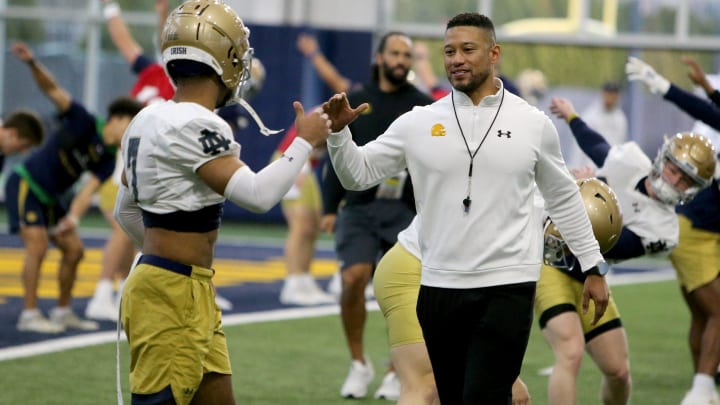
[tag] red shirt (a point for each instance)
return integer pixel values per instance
(152, 85)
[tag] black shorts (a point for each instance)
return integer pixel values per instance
(24, 208)
(363, 233)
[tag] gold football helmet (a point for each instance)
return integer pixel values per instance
(211, 33)
(602, 208)
(694, 155)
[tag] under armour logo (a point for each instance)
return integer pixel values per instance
(213, 143)
(502, 133)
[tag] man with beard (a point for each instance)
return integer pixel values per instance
(476, 157)
(369, 221)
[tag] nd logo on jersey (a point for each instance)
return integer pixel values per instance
(437, 130)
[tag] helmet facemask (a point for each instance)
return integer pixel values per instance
(556, 251)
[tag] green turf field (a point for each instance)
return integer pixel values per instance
(305, 361)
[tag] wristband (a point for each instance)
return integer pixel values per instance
(111, 10)
(571, 117)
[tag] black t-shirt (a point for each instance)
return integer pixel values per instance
(384, 109)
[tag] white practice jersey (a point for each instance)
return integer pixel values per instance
(654, 222)
(164, 146)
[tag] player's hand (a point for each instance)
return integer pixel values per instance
(313, 127)
(340, 113)
(327, 223)
(636, 69)
(66, 224)
(421, 50)
(562, 107)
(22, 52)
(583, 172)
(597, 290)
(307, 45)
(697, 75)
(520, 393)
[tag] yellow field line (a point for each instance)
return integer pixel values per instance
(227, 272)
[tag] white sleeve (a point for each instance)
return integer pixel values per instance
(362, 167)
(129, 216)
(258, 192)
(563, 201)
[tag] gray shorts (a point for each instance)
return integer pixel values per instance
(363, 233)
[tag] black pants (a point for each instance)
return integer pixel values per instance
(476, 339)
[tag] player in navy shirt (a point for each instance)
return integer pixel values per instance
(39, 193)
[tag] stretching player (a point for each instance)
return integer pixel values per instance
(647, 192)
(36, 192)
(696, 259)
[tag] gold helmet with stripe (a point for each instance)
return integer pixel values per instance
(209, 33)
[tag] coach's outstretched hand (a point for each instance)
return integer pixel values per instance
(340, 113)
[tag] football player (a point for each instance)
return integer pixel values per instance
(181, 163)
(696, 259)
(37, 191)
(152, 85)
(647, 193)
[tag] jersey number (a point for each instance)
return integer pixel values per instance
(131, 163)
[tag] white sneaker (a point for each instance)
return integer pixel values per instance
(301, 290)
(102, 310)
(223, 303)
(34, 321)
(358, 379)
(66, 318)
(696, 398)
(313, 289)
(389, 388)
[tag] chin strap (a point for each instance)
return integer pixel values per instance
(263, 129)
